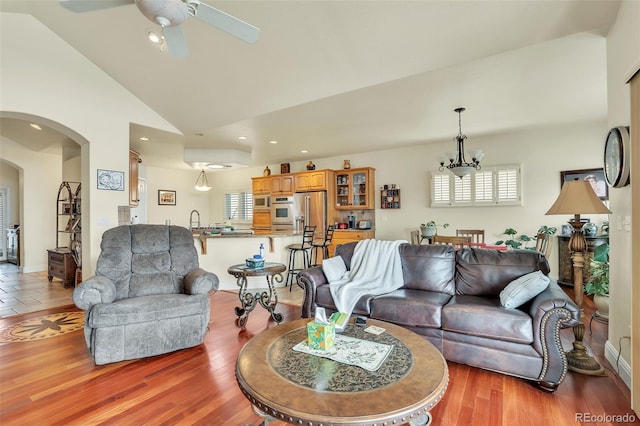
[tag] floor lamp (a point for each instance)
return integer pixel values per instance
(578, 197)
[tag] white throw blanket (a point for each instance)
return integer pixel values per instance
(375, 269)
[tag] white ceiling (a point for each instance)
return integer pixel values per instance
(337, 77)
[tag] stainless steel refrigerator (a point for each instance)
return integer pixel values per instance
(310, 208)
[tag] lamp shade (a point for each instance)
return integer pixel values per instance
(578, 197)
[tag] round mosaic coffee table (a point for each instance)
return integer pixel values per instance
(307, 390)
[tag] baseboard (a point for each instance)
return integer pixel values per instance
(620, 366)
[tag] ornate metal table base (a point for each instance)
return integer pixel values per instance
(268, 299)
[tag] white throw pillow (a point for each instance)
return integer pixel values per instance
(523, 289)
(334, 268)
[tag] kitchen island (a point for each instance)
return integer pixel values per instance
(217, 252)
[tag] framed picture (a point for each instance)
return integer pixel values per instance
(110, 180)
(166, 197)
(594, 176)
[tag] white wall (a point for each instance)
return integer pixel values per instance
(44, 80)
(543, 153)
(623, 52)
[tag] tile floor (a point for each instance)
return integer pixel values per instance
(21, 293)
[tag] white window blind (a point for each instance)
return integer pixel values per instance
(238, 205)
(490, 186)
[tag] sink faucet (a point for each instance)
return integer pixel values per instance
(191, 221)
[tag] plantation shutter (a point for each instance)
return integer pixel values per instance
(440, 189)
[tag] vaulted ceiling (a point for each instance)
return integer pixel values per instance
(337, 77)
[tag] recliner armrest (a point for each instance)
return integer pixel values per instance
(200, 281)
(95, 290)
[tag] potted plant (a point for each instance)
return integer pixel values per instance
(430, 228)
(511, 241)
(598, 283)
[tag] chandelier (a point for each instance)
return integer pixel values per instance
(458, 165)
(202, 184)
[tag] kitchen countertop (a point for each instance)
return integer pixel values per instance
(233, 234)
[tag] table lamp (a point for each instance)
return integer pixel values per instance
(578, 197)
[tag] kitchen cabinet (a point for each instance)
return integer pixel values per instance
(565, 264)
(61, 265)
(317, 180)
(134, 173)
(282, 185)
(261, 185)
(261, 222)
(341, 236)
(354, 189)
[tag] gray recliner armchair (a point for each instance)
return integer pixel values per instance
(148, 297)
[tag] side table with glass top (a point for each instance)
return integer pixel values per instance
(268, 299)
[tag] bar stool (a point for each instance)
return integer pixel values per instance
(305, 249)
(323, 245)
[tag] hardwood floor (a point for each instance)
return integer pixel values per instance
(54, 382)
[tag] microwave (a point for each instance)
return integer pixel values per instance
(261, 202)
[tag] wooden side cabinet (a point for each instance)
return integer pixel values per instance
(348, 236)
(565, 264)
(61, 265)
(134, 173)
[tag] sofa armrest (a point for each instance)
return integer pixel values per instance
(97, 289)
(551, 311)
(200, 281)
(309, 279)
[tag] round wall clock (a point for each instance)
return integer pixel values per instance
(616, 157)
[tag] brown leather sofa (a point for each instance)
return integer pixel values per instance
(451, 297)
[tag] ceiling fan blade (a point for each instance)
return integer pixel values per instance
(176, 43)
(227, 23)
(91, 5)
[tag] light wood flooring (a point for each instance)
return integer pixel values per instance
(54, 382)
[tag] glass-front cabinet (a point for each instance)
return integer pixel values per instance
(355, 188)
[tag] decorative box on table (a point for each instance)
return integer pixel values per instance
(320, 336)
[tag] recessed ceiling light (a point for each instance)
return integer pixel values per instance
(144, 138)
(304, 151)
(242, 138)
(273, 142)
(35, 126)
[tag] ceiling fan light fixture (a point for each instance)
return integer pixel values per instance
(154, 37)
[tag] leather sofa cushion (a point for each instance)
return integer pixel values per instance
(483, 272)
(484, 317)
(325, 300)
(415, 308)
(146, 309)
(429, 267)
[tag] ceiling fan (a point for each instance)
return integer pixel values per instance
(170, 14)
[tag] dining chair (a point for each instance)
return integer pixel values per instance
(304, 248)
(477, 235)
(458, 242)
(415, 237)
(543, 244)
(322, 244)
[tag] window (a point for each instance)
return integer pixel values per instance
(490, 186)
(238, 206)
